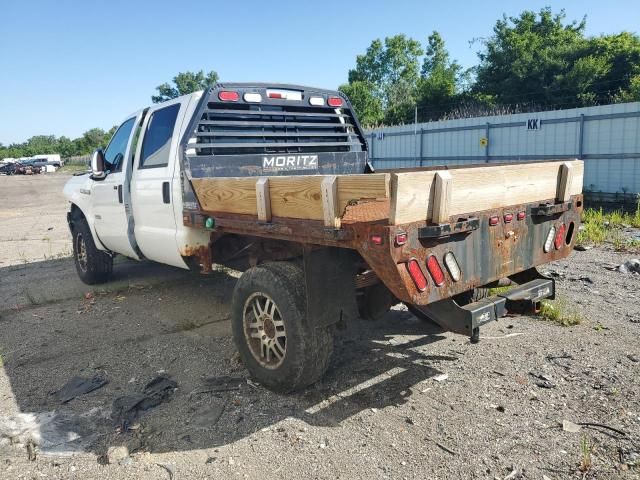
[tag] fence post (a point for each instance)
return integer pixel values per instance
(581, 137)
(486, 135)
(420, 144)
(373, 137)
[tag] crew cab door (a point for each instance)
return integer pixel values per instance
(110, 196)
(156, 183)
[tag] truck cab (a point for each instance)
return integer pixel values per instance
(133, 206)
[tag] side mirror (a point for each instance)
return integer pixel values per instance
(97, 165)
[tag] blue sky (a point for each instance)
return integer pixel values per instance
(68, 66)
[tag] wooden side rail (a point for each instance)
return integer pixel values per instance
(431, 195)
(310, 197)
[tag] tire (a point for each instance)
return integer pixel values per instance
(374, 302)
(278, 346)
(93, 266)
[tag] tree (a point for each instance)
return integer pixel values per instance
(388, 67)
(438, 86)
(527, 55)
(366, 105)
(184, 83)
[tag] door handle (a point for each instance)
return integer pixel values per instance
(120, 200)
(166, 197)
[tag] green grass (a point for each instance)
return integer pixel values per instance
(558, 311)
(585, 454)
(71, 168)
(607, 227)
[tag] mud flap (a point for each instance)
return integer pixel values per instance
(330, 280)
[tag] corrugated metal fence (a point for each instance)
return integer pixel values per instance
(607, 138)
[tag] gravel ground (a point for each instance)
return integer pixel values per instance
(402, 399)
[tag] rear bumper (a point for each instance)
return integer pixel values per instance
(467, 319)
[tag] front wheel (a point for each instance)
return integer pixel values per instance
(275, 341)
(93, 266)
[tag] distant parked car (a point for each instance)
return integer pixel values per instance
(7, 168)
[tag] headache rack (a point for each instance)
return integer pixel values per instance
(273, 126)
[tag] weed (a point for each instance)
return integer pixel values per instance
(498, 290)
(559, 312)
(585, 454)
(32, 300)
(600, 227)
(1, 361)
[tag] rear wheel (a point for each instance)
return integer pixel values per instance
(375, 301)
(93, 266)
(275, 341)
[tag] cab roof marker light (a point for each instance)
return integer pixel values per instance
(228, 96)
(452, 265)
(252, 97)
(316, 101)
(549, 241)
(293, 95)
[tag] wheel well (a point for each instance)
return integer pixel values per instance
(75, 214)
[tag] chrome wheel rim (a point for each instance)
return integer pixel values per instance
(264, 330)
(81, 252)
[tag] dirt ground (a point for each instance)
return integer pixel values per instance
(402, 399)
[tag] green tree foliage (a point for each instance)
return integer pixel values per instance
(388, 82)
(368, 107)
(184, 83)
(439, 84)
(64, 146)
(540, 58)
(391, 68)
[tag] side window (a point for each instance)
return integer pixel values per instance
(157, 138)
(114, 154)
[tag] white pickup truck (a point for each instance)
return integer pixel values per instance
(274, 180)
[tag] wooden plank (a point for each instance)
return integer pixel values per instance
(479, 188)
(360, 187)
(296, 197)
(231, 194)
(411, 196)
(330, 207)
(263, 199)
(290, 196)
(565, 182)
(442, 196)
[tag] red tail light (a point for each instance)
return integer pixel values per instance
(376, 239)
(493, 221)
(401, 238)
(415, 272)
(435, 270)
(228, 96)
(559, 240)
(508, 217)
(334, 101)
(521, 215)
(275, 95)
